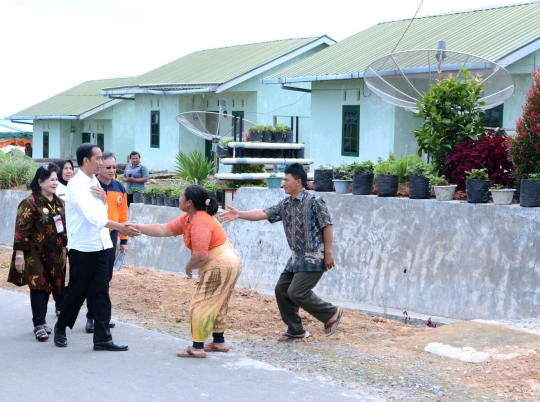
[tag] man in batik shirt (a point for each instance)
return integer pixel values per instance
(309, 232)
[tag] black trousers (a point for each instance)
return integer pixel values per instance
(38, 302)
(129, 199)
(91, 295)
(294, 290)
(85, 267)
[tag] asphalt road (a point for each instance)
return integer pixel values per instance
(149, 371)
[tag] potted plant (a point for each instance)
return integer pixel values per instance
(387, 177)
(443, 190)
(255, 133)
(273, 181)
(322, 179)
(147, 196)
(362, 177)
(301, 152)
(343, 184)
(159, 196)
(530, 191)
(419, 188)
(502, 195)
(223, 149)
(477, 186)
(153, 195)
(137, 195)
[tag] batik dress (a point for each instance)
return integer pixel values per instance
(37, 236)
(217, 277)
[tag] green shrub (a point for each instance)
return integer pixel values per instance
(388, 166)
(15, 169)
(193, 168)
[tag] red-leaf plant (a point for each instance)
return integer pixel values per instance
(489, 151)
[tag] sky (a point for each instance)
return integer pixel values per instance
(49, 46)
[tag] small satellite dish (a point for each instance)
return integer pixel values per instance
(402, 78)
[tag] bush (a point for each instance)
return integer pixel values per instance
(388, 166)
(524, 148)
(15, 169)
(451, 113)
(193, 168)
(490, 151)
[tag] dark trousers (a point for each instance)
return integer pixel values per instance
(91, 295)
(294, 290)
(38, 302)
(85, 267)
(129, 199)
(59, 299)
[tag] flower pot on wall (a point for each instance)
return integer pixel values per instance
(159, 200)
(322, 180)
(277, 137)
(445, 193)
(342, 186)
(147, 199)
(387, 185)
(529, 193)
(255, 136)
(266, 136)
(137, 198)
(477, 191)
(502, 196)
(363, 183)
(288, 136)
(419, 188)
(273, 182)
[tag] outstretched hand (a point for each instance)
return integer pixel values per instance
(129, 229)
(230, 215)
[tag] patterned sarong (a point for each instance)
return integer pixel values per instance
(210, 302)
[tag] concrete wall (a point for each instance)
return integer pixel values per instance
(449, 259)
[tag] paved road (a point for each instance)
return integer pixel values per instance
(149, 371)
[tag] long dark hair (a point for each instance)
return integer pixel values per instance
(201, 199)
(61, 163)
(42, 173)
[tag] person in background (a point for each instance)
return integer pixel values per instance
(218, 263)
(117, 211)
(88, 244)
(64, 175)
(28, 149)
(135, 175)
(309, 231)
(39, 248)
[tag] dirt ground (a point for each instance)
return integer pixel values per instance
(161, 300)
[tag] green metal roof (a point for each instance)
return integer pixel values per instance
(71, 103)
(210, 68)
(492, 33)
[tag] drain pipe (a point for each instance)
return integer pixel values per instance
(295, 89)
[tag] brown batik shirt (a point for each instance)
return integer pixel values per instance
(304, 219)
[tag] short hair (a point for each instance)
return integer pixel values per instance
(42, 173)
(297, 171)
(134, 153)
(107, 155)
(199, 196)
(85, 150)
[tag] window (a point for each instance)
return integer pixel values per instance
(154, 129)
(101, 141)
(85, 137)
(350, 136)
(494, 117)
(45, 144)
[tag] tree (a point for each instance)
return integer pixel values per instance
(524, 148)
(452, 113)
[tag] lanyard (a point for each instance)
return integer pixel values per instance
(52, 208)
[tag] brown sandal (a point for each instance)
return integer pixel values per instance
(334, 324)
(41, 333)
(187, 352)
(211, 347)
(288, 337)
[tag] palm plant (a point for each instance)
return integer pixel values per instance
(193, 168)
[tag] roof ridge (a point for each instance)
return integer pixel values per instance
(259, 43)
(472, 10)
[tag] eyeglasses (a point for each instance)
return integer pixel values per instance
(110, 167)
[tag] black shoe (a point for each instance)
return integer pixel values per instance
(90, 325)
(112, 325)
(110, 345)
(60, 338)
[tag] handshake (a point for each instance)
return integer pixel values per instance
(129, 228)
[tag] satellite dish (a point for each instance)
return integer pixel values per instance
(402, 78)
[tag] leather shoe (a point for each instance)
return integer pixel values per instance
(60, 338)
(90, 326)
(110, 345)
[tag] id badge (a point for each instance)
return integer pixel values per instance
(58, 223)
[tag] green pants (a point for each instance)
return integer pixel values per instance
(294, 290)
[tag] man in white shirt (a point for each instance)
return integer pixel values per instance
(88, 244)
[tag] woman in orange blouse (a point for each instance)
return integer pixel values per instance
(218, 263)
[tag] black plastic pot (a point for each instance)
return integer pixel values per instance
(137, 198)
(387, 185)
(288, 136)
(277, 137)
(322, 180)
(529, 193)
(222, 151)
(147, 199)
(477, 191)
(256, 153)
(267, 136)
(363, 183)
(255, 136)
(419, 188)
(300, 153)
(267, 153)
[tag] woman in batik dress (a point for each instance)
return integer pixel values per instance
(39, 248)
(218, 263)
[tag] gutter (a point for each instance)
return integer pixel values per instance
(295, 89)
(155, 92)
(12, 118)
(312, 78)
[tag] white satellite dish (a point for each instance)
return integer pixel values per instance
(402, 78)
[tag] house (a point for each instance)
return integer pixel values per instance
(139, 113)
(349, 123)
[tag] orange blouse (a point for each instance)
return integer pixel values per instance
(201, 234)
